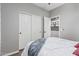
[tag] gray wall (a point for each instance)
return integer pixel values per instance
(69, 20)
(10, 24)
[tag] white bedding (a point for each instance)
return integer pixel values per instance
(55, 47)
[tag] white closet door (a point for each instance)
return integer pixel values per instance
(36, 27)
(47, 28)
(24, 30)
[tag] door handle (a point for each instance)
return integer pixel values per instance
(20, 33)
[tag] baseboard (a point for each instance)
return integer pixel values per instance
(8, 54)
(21, 49)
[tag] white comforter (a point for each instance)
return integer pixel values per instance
(55, 47)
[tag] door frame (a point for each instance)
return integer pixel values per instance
(59, 23)
(24, 12)
(44, 31)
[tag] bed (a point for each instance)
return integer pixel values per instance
(50, 46)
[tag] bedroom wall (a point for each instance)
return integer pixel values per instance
(10, 24)
(0, 29)
(69, 20)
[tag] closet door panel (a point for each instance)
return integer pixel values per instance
(24, 30)
(47, 29)
(36, 27)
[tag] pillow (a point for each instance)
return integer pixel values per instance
(76, 52)
(77, 45)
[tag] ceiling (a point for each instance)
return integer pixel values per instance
(48, 7)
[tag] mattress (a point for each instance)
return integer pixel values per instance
(54, 47)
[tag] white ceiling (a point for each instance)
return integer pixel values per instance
(48, 7)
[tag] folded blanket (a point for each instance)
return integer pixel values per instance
(35, 47)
